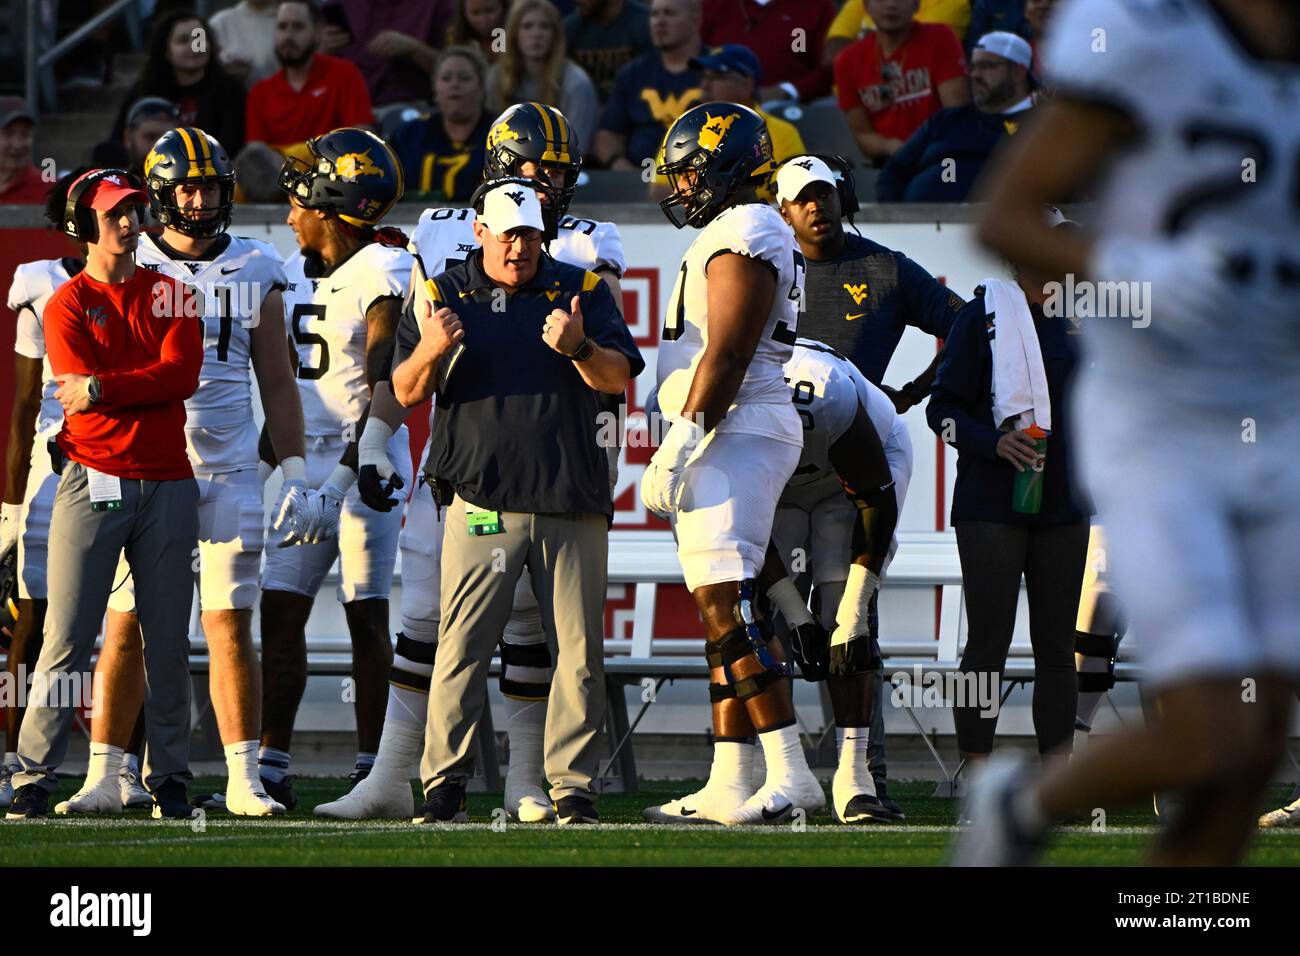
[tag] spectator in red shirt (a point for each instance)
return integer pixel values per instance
(124, 343)
(893, 79)
(792, 69)
(393, 43)
(313, 93)
(184, 67)
(20, 180)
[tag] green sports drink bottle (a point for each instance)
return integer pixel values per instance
(1027, 492)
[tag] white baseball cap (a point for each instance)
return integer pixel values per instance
(511, 205)
(1008, 46)
(798, 172)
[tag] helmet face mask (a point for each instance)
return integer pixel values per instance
(711, 153)
(187, 155)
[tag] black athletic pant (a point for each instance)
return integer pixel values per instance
(993, 558)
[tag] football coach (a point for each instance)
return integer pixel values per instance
(125, 346)
(517, 347)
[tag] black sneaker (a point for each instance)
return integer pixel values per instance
(575, 810)
(171, 801)
(445, 803)
(889, 808)
(864, 808)
(282, 792)
(356, 776)
(30, 800)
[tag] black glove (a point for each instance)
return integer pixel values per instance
(811, 647)
(375, 491)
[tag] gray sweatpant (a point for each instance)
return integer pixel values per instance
(158, 528)
(566, 556)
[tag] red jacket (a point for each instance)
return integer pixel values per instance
(144, 340)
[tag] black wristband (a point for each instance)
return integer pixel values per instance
(586, 348)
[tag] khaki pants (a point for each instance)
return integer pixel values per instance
(157, 527)
(566, 556)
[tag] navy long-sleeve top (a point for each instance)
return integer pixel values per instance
(963, 395)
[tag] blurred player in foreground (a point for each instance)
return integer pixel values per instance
(1185, 113)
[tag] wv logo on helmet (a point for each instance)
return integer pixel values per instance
(349, 166)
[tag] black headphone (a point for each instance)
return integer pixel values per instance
(78, 221)
(845, 184)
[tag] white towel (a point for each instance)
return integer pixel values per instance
(1019, 379)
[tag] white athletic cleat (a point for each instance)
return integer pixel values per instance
(243, 802)
(103, 798)
(777, 802)
(372, 799)
(6, 786)
(703, 806)
(528, 803)
(993, 836)
(1288, 816)
(134, 795)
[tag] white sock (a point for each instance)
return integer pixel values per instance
(526, 729)
(787, 600)
(241, 765)
(399, 749)
(733, 767)
(273, 764)
(852, 776)
(783, 753)
(409, 708)
(105, 761)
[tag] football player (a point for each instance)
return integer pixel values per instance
(535, 141)
(30, 476)
(837, 510)
(733, 442)
(346, 286)
(859, 298)
(840, 508)
(1181, 115)
(240, 283)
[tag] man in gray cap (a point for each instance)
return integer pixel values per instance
(20, 179)
(941, 161)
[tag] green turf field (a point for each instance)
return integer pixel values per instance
(621, 840)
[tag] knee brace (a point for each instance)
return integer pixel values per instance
(412, 664)
(1095, 661)
(526, 671)
(750, 638)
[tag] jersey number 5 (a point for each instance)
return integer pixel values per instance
(306, 340)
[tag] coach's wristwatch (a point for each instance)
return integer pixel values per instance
(584, 350)
(93, 389)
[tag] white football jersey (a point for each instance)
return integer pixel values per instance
(1217, 157)
(34, 283)
(232, 282)
(758, 231)
(826, 389)
(326, 319)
